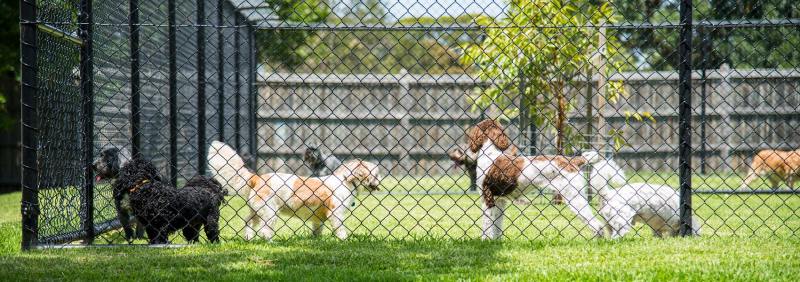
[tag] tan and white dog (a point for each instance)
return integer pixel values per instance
(314, 199)
(502, 177)
(776, 165)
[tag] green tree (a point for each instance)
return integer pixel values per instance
(9, 58)
(773, 47)
(417, 51)
(287, 47)
(547, 44)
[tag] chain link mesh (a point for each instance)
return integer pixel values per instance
(300, 88)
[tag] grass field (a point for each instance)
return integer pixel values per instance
(433, 237)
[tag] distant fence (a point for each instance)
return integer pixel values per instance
(408, 123)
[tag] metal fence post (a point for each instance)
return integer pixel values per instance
(29, 124)
(685, 116)
(253, 70)
(238, 84)
(704, 65)
(173, 96)
(87, 94)
(201, 88)
(220, 74)
(133, 25)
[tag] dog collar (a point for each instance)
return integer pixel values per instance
(139, 185)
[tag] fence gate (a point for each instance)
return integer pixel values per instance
(684, 96)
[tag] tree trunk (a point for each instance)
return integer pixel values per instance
(561, 117)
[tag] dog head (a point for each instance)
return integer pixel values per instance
(487, 129)
(605, 171)
(134, 174)
(312, 156)
(360, 173)
(108, 164)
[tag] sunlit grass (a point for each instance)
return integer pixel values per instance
(410, 235)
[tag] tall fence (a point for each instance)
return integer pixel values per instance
(158, 79)
(667, 102)
(411, 121)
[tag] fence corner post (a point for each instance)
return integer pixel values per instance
(685, 116)
(87, 93)
(29, 125)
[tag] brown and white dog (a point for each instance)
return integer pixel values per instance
(460, 157)
(502, 177)
(315, 199)
(776, 165)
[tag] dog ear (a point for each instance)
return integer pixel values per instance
(475, 138)
(498, 137)
(487, 129)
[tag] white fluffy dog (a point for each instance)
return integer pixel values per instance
(314, 199)
(658, 206)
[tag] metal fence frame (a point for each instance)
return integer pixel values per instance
(31, 27)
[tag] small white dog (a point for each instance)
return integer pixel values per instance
(658, 206)
(315, 199)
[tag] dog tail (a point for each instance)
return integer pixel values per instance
(229, 168)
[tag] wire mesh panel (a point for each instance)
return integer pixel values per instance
(144, 103)
(395, 119)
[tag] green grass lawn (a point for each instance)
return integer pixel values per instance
(433, 237)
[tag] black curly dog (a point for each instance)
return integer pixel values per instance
(164, 209)
(106, 167)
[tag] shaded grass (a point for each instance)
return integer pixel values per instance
(685, 259)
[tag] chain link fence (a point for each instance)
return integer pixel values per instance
(373, 119)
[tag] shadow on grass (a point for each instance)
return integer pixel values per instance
(300, 258)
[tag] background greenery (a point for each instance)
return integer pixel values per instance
(9, 60)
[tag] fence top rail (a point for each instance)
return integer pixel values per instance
(406, 78)
(263, 18)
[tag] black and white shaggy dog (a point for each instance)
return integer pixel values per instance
(106, 167)
(109, 162)
(319, 163)
(164, 209)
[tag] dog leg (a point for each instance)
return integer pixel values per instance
(124, 220)
(251, 224)
(268, 215)
(316, 226)
(139, 229)
(473, 176)
(488, 223)
(192, 233)
(751, 175)
(499, 217)
(623, 222)
(337, 222)
(774, 180)
(212, 227)
(579, 204)
(157, 236)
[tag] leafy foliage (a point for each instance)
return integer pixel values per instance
(283, 46)
(537, 53)
(383, 51)
(773, 47)
(9, 56)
